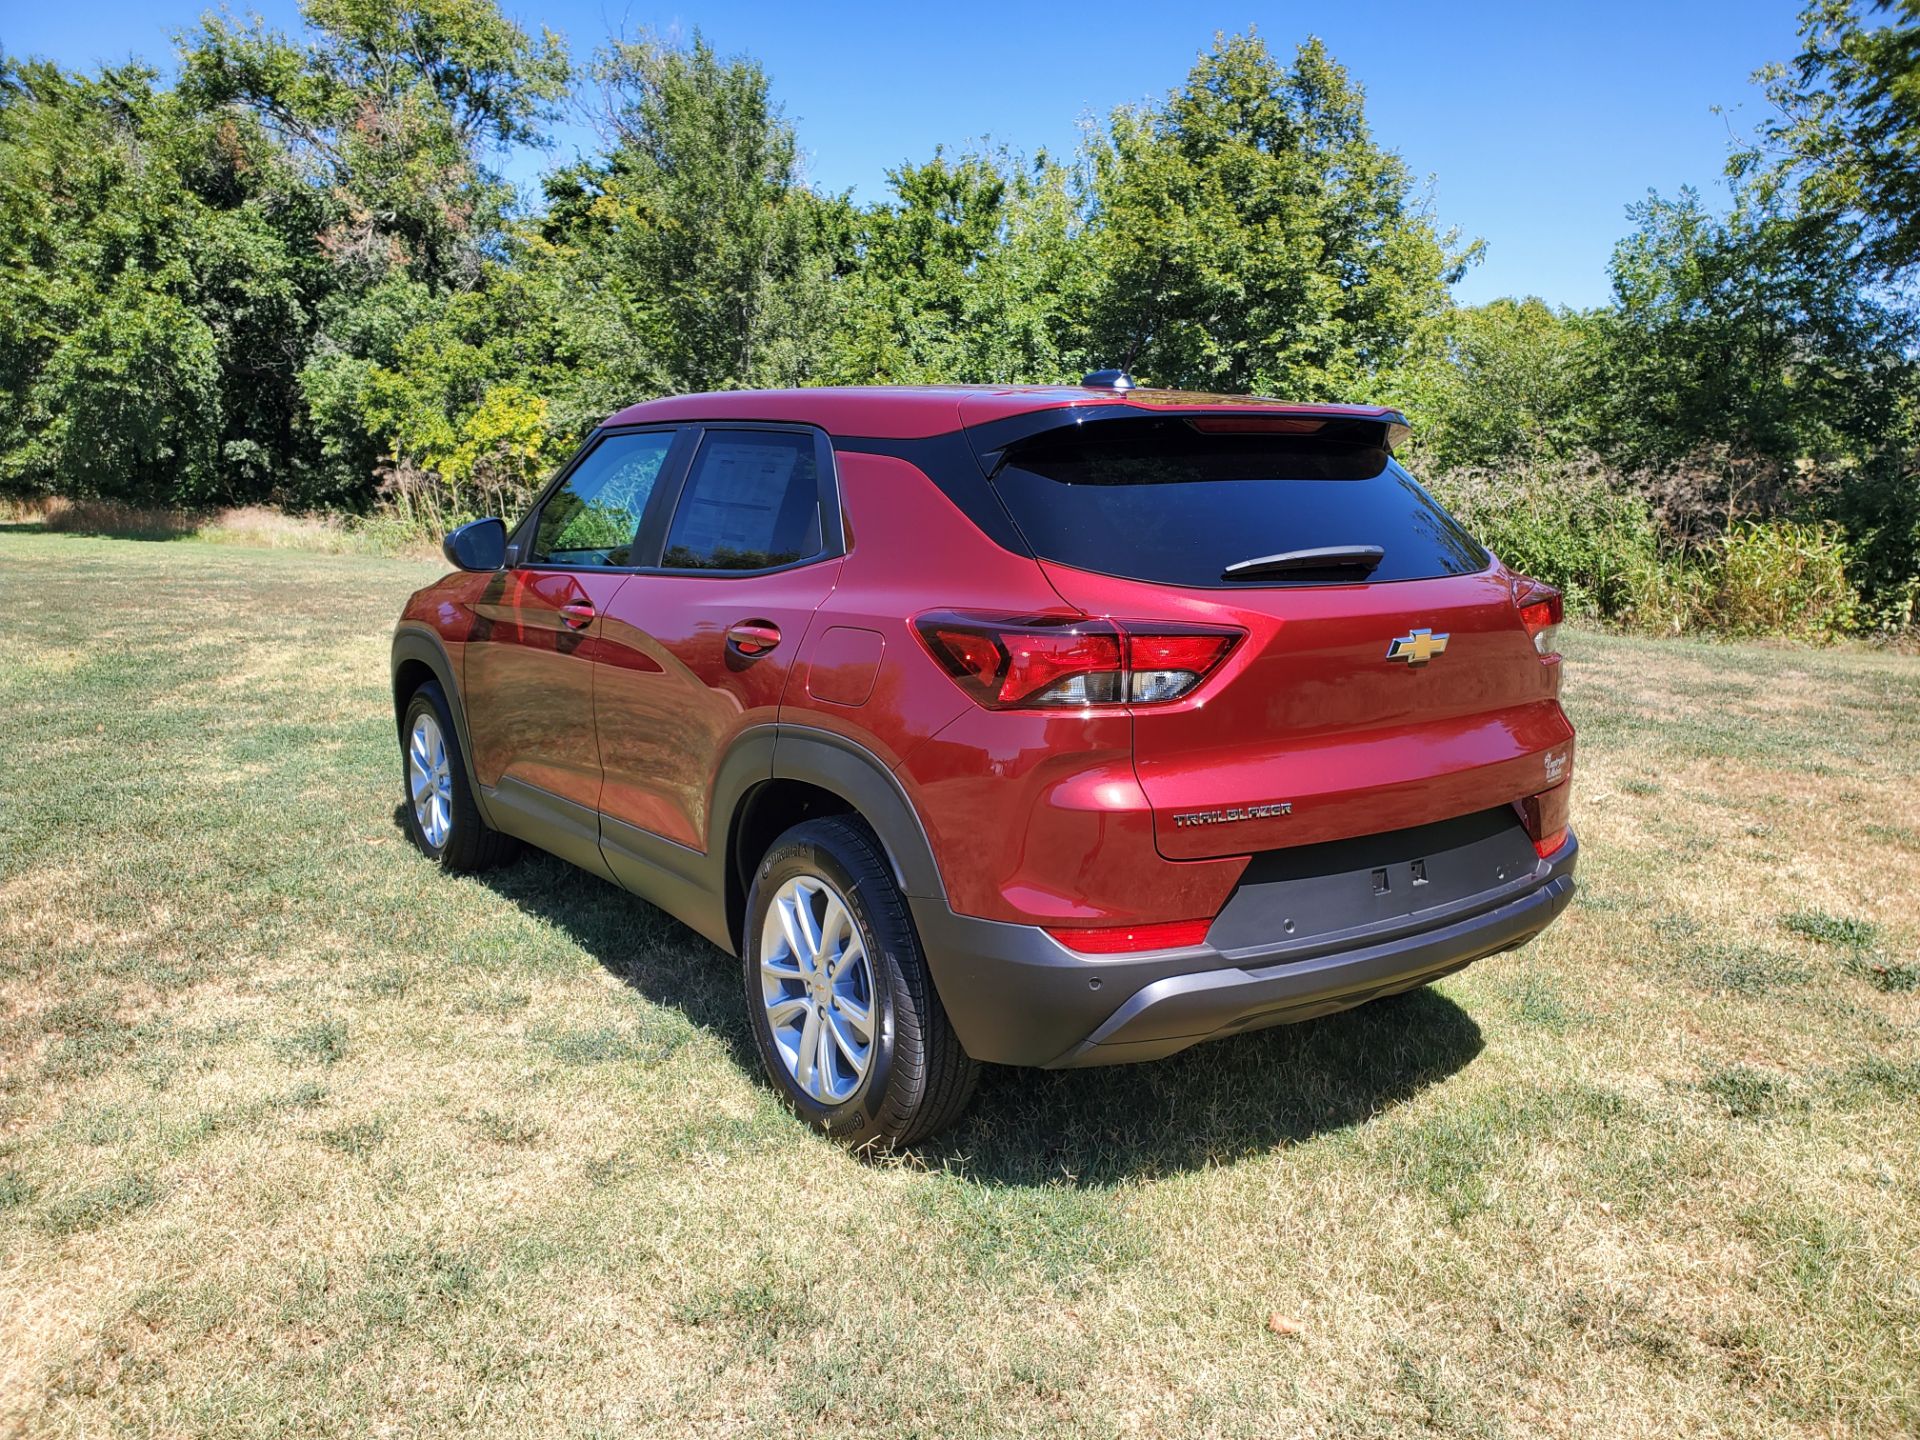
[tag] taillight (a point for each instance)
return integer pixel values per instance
(1036, 661)
(1125, 939)
(1546, 816)
(1071, 661)
(1163, 666)
(1541, 610)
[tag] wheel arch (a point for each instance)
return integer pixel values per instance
(813, 773)
(408, 676)
(418, 656)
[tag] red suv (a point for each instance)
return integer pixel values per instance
(1043, 726)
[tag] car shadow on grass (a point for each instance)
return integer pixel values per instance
(1210, 1105)
(637, 943)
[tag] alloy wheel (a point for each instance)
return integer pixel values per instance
(816, 982)
(430, 780)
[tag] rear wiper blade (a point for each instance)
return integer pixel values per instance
(1325, 557)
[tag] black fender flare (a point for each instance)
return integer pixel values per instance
(827, 761)
(415, 644)
(854, 773)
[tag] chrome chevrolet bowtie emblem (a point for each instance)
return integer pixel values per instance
(1417, 647)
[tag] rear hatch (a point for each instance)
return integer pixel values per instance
(1385, 679)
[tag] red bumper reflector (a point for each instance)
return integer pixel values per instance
(1545, 816)
(1124, 939)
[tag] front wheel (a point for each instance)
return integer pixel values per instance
(442, 819)
(843, 1009)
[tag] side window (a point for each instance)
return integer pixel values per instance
(751, 501)
(594, 517)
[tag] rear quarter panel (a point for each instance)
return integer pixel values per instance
(1031, 816)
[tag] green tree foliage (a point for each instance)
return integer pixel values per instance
(390, 108)
(1508, 381)
(465, 404)
(152, 293)
(1741, 332)
(295, 274)
(384, 118)
(695, 234)
(1754, 369)
(1249, 235)
(1835, 169)
(1843, 143)
(970, 273)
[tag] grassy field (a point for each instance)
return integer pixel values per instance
(300, 1137)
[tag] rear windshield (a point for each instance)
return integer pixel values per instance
(1155, 500)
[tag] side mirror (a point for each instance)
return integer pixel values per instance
(477, 545)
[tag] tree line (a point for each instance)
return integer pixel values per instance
(290, 272)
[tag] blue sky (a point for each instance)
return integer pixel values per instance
(1539, 122)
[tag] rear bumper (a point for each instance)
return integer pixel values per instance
(1016, 997)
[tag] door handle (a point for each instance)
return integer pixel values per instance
(753, 637)
(576, 616)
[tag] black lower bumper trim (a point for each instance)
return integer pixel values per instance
(1182, 1010)
(1016, 997)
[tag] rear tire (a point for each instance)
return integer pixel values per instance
(442, 820)
(843, 1009)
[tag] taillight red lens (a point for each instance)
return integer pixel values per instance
(1162, 667)
(1032, 660)
(1072, 661)
(1541, 610)
(1124, 939)
(1061, 667)
(974, 654)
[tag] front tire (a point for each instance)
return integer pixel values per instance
(843, 1009)
(442, 819)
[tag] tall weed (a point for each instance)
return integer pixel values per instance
(1780, 578)
(1595, 534)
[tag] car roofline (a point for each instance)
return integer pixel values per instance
(908, 412)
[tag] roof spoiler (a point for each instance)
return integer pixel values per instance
(1366, 426)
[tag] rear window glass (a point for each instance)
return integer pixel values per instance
(751, 502)
(1157, 501)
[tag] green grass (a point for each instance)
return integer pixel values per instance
(1831, 929)
(94, 1206)
(299, 1136)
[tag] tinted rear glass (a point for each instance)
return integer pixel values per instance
(751, 502)
(1156, 501)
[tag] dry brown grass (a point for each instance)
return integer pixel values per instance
(298, 1136)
